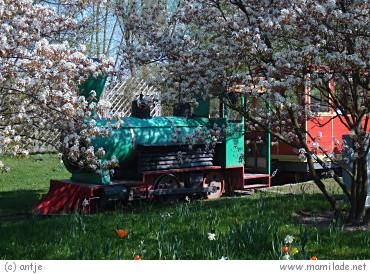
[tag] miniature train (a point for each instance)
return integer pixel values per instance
(159, 157)
(165, 157)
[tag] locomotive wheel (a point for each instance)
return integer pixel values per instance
(214, 179)
(167, 181)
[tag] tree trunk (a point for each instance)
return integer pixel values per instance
(358, 191)
(320, 184)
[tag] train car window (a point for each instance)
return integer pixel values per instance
(182, 110)
(214, 108)
(319, 102)
(234, 106)
(362, 97)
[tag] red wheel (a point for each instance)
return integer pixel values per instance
(166, 182)
(216, 180)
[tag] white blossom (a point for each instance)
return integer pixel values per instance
(211, 236)
(288, 239)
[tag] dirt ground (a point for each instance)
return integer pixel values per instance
(322, 218)
(308, 187)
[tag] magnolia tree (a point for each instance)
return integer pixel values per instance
(277, 52)
(146, 26)
(119, 29)
(99, 27)
(39, 82)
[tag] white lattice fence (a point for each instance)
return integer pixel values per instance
(122, 94)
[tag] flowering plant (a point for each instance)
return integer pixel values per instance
(288, 250)
(211, 236)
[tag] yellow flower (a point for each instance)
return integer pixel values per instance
(293, 251)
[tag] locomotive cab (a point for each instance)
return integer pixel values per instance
(182, 110)
(140, 108)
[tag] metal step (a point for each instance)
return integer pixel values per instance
(253, 186)
(252, 176)
(256, 180)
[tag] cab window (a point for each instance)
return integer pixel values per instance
(319, 102)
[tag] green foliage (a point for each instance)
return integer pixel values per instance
(252, 227)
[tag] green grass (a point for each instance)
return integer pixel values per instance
(251, 227)
(27, 180)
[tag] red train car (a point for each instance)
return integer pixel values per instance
(324, 130)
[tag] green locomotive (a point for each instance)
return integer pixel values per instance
(160, 156)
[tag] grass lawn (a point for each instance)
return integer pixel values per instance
(248, 227)
(27, 181)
